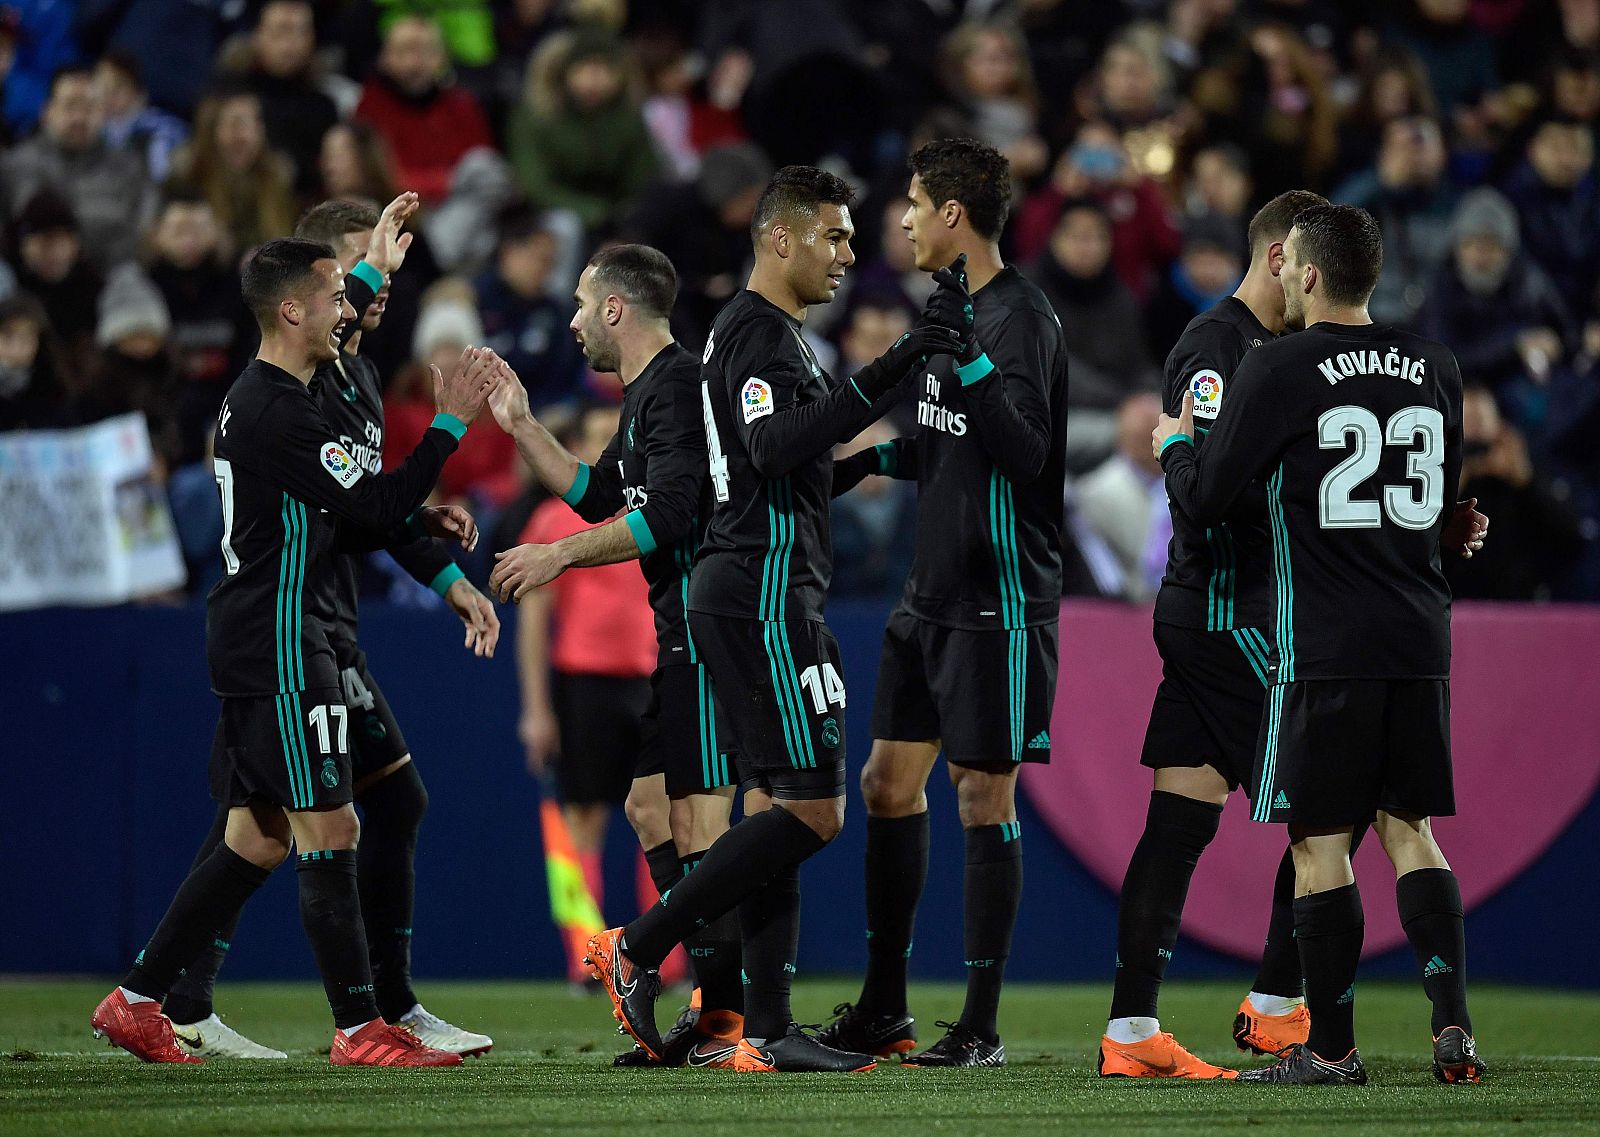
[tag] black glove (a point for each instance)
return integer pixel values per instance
(950, 305)
(909, 351)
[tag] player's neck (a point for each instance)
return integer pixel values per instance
(639, 350)
(1355, 314)
(1263, 295)
(983, 262)
(288, 357)
(766, 281)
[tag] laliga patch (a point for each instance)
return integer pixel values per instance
(340, 466)
(1206, 387)
(756, 400)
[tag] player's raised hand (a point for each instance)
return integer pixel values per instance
(950, 304)
(508, 402)
(1464, 533)
(1168, 427)
(387, 250)
(448, 522)
(524, 568)
(483, 626)
(471, 381)
(910, 351)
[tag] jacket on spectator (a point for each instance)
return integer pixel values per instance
(427, 136)
(107, 188)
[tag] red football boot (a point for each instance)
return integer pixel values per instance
(140, 1029)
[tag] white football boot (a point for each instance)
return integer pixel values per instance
(213, 1038)
(433, 1031)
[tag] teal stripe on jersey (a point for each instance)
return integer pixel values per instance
(297, 607)
(290, 760)
(1262, 646)
(280, 613)
(1284, 575)
(1247, 646)
(1269, 764)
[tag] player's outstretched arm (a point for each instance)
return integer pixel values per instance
(526, 567)
(895, 459)
(786, 434)
(593, 492)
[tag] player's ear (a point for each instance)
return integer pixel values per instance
(778, 239)
(613, 310)
(952, 214)
(1308, 279)
(290, 311)
(1275, 258)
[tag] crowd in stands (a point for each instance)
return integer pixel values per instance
(148, 147)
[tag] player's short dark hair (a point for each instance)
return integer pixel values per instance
(640, 274)
(1346, 245)
(798, 191)
(1273, 220)
(276, 270)
(330, 221)
(965, 170)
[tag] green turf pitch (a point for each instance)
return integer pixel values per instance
(551, 1073)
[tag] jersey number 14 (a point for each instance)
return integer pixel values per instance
(1420, 430)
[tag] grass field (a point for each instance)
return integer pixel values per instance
(550, 1072)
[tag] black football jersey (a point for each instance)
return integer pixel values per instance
(1357, 431)
(1218, 576)
(293, 500)
(350, 392)
(771, 417)
(654, 471)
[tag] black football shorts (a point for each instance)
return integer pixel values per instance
(1207, 709)
(289, 750)
(682, 736)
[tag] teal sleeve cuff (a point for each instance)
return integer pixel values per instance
(857, 388)
(640, 528)
(579, 486)
(970, 373)
(1175, 438)
(888, 458)
(449, 422)
(368, 275)
(447, 576)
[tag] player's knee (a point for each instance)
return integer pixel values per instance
(260, 849)
(648, 815)
(887, 793)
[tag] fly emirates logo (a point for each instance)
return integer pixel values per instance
(931, 413)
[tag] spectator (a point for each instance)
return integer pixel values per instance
(1133, 92)
(989, 73)
(1457, 55)
(1496, 309)
(427, 122)
(281, 72)
(1556, 197)
(107, 188)
(173, 41)
(1101, 325)
(586, 645)
(874, 526)
(683, 121)
(1144, 238)
(209, 336)
(522, 321)
(463, 229)
(1536, 538)
(1571, 87)
(31, 393)
(354, 164)
(249, 186)
(1220, 186)
(1209, 268)
(485, 471)
(1408, 191)
(135, 369)
(37, 39)
(1393, 85)
(52, 268)
(1270, 100)
(704, 228)
(131, 123)
(577, 142)
(1120, 519)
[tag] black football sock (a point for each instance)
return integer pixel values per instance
(991, 894)
(740, 861)
(769, 919)
(206, 902)
(330, 909)
(897, 870)
(714, 956)
(190, 1000)
(666, 869)
(386, 875)
(1280, 956)
(1431, 913)
(1177, 830)
(1328, 926)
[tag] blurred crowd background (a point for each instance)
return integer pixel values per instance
(150, 144)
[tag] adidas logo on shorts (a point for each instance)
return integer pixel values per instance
(1281, 801)
(1041, 741)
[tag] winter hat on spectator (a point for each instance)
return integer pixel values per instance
(1486, 213)
(130, 304)
(449, 321)
(727, 171)
(46, 212)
